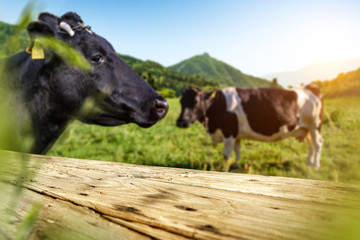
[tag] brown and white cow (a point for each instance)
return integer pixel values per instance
(265, 114)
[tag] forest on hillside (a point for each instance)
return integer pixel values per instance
(167, 82)
(7, 30)
(345, 84)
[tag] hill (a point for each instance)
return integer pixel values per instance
(163, 79)
(210, 68)
(314, 71)
(6, 30)
(345, 84)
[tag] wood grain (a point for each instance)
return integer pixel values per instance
(89, 199)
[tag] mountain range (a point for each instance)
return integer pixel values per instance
(313, 72)
(215, 70)
(208, 73)
(344, 85)
(200, 71)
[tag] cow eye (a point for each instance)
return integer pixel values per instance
(97, 59)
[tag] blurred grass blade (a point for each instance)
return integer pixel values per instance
(11, 125)
(67, 53)
(28, 223)
(26, 17)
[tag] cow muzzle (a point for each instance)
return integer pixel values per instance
(161, 107)
(155, 111)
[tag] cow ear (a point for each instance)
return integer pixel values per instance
(36, 30)
(184, 90)
(195, 89)
(39, 29)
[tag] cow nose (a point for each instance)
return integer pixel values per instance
(161, 107)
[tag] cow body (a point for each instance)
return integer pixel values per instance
(47, 93)
(263, 114)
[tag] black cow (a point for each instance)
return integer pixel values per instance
(265, 114)
(52, 92)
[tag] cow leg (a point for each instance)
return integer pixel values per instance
(237, 154)
(310, 160)
(237, 150)
(228, 148)
(318, 141)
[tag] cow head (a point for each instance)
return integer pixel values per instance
(192, 107)
(118, 94)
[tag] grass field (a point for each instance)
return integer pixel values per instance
(166, 145)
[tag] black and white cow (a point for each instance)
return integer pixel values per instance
(265, 114)
(49, 93)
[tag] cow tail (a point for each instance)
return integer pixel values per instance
(317, 92)
(321, 114)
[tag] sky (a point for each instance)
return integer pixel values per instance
(256, 36)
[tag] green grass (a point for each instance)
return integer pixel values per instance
(166, 145)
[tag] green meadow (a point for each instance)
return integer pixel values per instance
(166, 145)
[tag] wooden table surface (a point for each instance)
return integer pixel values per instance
(86, 199)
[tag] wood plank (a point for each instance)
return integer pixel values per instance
(59, 219)
(168, 203)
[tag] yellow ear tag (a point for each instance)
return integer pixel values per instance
(28, 50)
(37, 52)
(213, 95)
